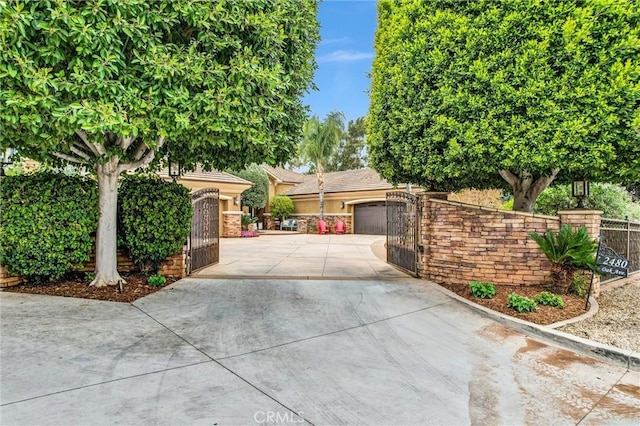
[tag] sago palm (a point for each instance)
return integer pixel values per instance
(568, 251)
(319, 140)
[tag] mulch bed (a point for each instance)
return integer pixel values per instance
(77, 286)
(544, 315)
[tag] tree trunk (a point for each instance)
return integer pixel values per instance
(526, 188)
(106, 239)
(320, 176)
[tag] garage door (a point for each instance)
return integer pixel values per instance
(371, 218)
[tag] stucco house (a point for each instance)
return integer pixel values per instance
(357, 197)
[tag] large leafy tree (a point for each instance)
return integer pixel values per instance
(118, 85)
(319, 141)
(350, 153)
(488, 93)
(256, 196)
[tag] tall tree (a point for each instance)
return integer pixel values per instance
(350, 153)
(117, 86)
(465, 93)
(256, 196)
(319, 141)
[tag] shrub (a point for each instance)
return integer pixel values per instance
(156, 281)
(482, 290)
(568, 251)
(247, 220)
(521, 303)
(47, 220)
(155, 219)
(281, 207)
(256, 196)
(549, 299)
(579, 285)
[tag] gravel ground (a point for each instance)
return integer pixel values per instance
(617, 322)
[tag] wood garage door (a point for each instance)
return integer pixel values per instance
(371, 218)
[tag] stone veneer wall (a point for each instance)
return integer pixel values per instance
(231, 224)
(174, 266)
(463, 243)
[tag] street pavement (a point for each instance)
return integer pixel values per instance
(218, 351)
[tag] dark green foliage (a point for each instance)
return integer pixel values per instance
(46, 223)
(155, 218)
(579, 285)
(482, 290)
(256, 196)
(350, 153)
(281, 207)
(156, 281)
(549, 299)
(521, 303)
(613, 200)
(568, 251)
(464, 90)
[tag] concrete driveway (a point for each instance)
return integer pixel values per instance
(304, 256)
(252, 351)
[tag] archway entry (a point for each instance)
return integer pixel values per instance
(204, 241)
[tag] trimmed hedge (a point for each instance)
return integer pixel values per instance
(46, 222)
(155, 219)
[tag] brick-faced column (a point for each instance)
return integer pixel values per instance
(590, 219)
(425, 230)
(231, 224)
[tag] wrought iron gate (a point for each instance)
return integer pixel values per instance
(204, 241)
(403, 218)
(623, 237)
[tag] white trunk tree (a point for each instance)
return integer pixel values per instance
(526, 188)
(108, 168)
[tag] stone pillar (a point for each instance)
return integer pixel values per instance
(8, 280)
(424, 232)
(231, 224)
(590, 219)
(174, 266)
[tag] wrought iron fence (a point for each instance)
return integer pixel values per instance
(623, 237)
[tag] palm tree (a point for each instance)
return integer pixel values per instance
(319, 141)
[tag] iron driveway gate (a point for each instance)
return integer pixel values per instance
(623, 237)
(402, 231)
(204, 241)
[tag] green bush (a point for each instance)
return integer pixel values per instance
(155, 219)
(579, 285)
(547, 298)
(47, 220)
(482, 290)
(156, 281)
(281, 207)
(256, 196)
(521, 303)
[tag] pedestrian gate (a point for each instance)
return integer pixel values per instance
(204, 241)
(402, 231)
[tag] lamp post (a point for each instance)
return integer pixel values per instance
(7, 157)
(580, 190)
(174, 170)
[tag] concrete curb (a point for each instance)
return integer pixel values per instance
(624, 358)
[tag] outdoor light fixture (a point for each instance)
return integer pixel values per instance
(7, 156)
(342, 204)
(174, 170)
(580, 190)
(236, 201)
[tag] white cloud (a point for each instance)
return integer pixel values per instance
(335, 40)
(345, 56)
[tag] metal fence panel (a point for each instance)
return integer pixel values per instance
(623, 237)
(402, 231)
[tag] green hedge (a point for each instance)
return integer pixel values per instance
(155, 219)
(46, 222)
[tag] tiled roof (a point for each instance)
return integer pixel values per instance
(212, 176)
(283, 174)
(350, 180)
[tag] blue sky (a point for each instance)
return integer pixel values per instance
(344, 57)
